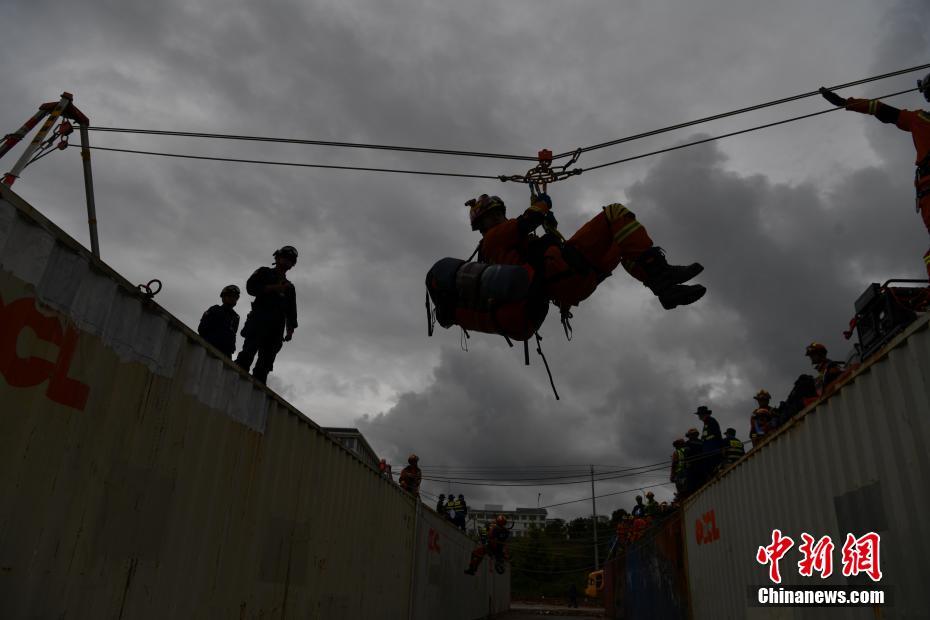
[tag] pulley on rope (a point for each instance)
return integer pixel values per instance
(539, 176)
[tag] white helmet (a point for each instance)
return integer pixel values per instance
(924, 86)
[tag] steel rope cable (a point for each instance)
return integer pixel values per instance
(733, 133)
(293, 164)
(751, 108)
(489, 155)
(356, 145)
(479, 176)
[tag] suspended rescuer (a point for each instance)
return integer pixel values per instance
(219, 323)
(917, 122)
(273, 318)
(828, 370)
(411, 476)
(572, 270)
(496, 545)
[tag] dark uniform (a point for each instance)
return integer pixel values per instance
(218, 326)
(272, 313)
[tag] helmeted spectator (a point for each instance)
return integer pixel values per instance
(411, 476)
(733, 451)
(652, 507)
(694, 463)
(828, 370)
(762, 420)
(711, 439)
(461, 511)
(219, 323)
(441, 505)
(679, 465)
(639, 510)
(384, 469)
(273, 318)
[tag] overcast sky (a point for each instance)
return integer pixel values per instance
(791, 223)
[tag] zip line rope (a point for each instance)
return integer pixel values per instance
(488, 155)
(732, 133)
(355, 145)
(752, 108)
(483, 176)
(294, 164)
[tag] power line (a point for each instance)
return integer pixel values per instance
(354, 145)
(588, 499)
(751, 108)
(294, 164)
(732, 133)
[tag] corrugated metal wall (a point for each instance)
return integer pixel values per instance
(647, 580)
(142, 476)
(855, 463)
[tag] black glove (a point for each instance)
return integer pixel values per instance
(832, 97)
(541, 198)
(549, 221)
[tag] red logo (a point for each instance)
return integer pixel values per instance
(705, 528)
(860, 555)
(32, 371)
(817, 557)
(433, 541)
(773, 553)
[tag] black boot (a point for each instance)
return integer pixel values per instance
(665, 280)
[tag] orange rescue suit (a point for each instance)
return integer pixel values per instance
(571, 271)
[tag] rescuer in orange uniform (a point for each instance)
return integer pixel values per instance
(410, 476)
(496, 545)
(917, 122)
(573, 269)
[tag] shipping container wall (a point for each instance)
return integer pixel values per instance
(647, 579)
(857, 462)
(144, 476)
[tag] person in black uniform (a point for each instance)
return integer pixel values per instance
(273, 317)
(219, 324)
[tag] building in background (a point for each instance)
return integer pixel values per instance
(522, 518)
(352, 439)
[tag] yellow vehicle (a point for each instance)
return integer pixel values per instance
(595, 584)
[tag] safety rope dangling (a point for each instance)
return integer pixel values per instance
(566, 324)
(430, 317)
(546, 363)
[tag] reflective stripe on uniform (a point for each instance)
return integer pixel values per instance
(621, 235)
(615, 211)
(873, 106)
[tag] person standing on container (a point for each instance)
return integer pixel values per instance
(410, 476)
(219, 324)
(711, 439)
(273, 318)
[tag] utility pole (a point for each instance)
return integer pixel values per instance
(597, 562)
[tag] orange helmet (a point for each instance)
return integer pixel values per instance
(692, 431)
(763, 395)
(815, 347)
(481, 206)
(501, 520)
(413, 459)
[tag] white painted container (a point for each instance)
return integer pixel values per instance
(855, 462)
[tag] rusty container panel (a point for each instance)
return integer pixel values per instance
(856, 462)
(142, 475)
(647, 579)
